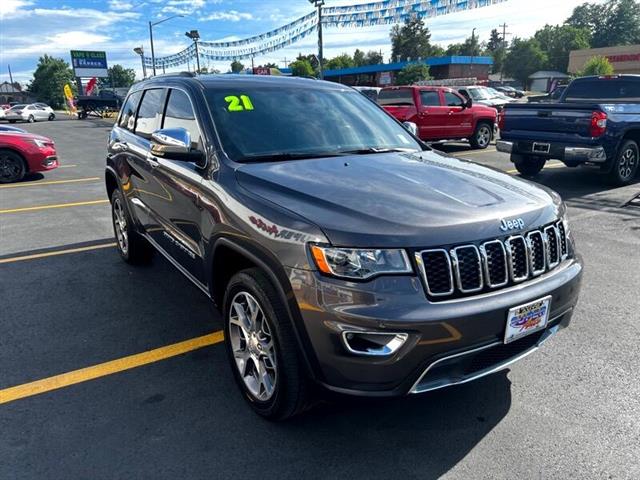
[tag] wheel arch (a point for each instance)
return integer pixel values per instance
(19, 154)
(111, 181)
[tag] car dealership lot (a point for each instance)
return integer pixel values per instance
(571, 409)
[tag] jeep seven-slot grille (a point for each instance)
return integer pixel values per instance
(467, 269)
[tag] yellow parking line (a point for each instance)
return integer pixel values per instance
(108, 368)
(59, 205)
(54, 253)
(67, 166)
(51, 182)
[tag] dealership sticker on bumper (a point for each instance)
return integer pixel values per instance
(527, 318)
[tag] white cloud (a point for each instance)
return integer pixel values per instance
(231, 15)
(121, 5)
(10, 7)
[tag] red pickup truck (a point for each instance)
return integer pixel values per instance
(440, 114)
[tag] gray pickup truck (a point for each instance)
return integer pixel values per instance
(596, 122)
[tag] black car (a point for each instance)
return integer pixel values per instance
(341, 251)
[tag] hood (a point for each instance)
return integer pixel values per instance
(400, 199)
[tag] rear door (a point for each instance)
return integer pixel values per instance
(432, 114)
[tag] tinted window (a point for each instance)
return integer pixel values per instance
(430, 99)
(180, 114)
(401, 96)
(150, 112)
(606, 89)
(452, 100)
(128, 114)
(255, 121)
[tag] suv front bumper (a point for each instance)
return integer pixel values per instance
(447, 342)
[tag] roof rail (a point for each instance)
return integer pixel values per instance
(174, 74)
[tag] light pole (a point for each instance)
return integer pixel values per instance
(473, 47)
(195, 36)
(318, 4)
(140, 51)
(151, 25)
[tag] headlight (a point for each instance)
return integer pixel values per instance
(360, 264)
(39, 143)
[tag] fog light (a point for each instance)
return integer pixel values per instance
(373, 343)
(49, 161)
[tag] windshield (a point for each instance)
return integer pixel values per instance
(479, 94)
(17, 107)
(287, 123)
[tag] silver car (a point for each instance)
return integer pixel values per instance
(29, 113)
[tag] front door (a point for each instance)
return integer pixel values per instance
(432, 116)
(459, 118)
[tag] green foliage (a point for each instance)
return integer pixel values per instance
(413, 73)
(49, 79)
(373, 58)
(495, 41)
(596, 66)
(120, 77)
(236, 66)
(470, 47)
(497, 49)
(358, 58)
(558, 41)
(411, 41)
(524, 58)
(616, 22)
(341, 61)
(302, 68)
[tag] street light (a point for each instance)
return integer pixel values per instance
(140, 51)
(195, 36)
(151, 25)
(318, 4)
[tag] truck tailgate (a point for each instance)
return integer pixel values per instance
(553, 118)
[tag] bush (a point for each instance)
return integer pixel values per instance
(596, 66)
(413, 73)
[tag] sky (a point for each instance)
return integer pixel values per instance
(31, 28)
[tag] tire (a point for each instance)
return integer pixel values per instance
(625, 166)
(527, 165)
(268, 341)
(12, 167)
(482, 137)
(52, 116)
(133, 247)
(31, 119)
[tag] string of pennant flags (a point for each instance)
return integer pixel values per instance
(383, 12)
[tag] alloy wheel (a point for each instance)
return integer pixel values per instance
(120, 224)
(10, 168)
(484, 136)
(253, 346)
(627, 164)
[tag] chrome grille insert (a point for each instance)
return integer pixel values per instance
(467, 268)
(518, 255)
(494, 260)
(552, 240)
(435, 266)
(537, 253)
(563, 240)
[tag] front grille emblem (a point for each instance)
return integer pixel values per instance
(513, 224)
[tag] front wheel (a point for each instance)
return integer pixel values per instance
(31, 119)
(52, 116)
(262, 347)
(625, 166)
(132, 246)
(482, 136)
(528, 166)
(12, 167)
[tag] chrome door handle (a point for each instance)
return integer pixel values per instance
(120, 146)
(152, 161)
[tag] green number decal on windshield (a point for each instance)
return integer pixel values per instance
(238, 104)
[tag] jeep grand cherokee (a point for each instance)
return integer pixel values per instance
(341, 250)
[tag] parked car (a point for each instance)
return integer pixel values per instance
(550, 97)
(481, 96)
(7, 128)
(48, 109)
(29, 113)
(510, 91)
(369, 92)
(22, 153)
(495, 94)
(440, 114)
(596, 122)
(341, 250)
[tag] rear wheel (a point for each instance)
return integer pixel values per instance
(132, 246)
(528, 165)
(31, 119)
(262, 348)
(626, 164)
(12, 167)
(482, 136)
(52, 116)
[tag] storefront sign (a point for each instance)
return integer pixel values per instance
(89, 64)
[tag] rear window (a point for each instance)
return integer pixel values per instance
(614, 90)
(399, 97)
(429, 98)
(150, 112)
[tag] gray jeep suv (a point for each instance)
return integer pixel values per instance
(341, 251)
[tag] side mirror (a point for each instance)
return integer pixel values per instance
(174, 144)
(411, 127)
(468, 103)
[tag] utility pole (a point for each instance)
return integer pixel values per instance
(195, 36)
(504, 48)
(319, 4)
(10, 76)
(286, 63)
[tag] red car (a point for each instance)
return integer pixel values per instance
(23, 153)
(441, 113)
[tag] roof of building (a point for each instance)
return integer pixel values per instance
(6, 87)
(548, 74)
(389, 67)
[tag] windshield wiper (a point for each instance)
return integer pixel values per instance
(279, 156)
(371, 150)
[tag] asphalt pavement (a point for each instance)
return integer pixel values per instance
(81, 397)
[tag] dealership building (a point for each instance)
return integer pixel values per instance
(625, 59)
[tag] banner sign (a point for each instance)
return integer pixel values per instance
(89, 64)
(383, 12)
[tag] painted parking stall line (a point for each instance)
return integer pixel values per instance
(48, 207)
(50, 182)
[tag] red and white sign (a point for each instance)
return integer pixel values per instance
(626, 57)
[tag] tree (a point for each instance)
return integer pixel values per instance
(302, 68)
(524, 58)
(119, 77)
(495, 41)
(596, 66)
(269, 65)
(373, 58)
(470, 48)
(359, 58)
(413, 73)
(236, 66)
(49, 79)
(616, 22)
(341, 61)
(411, 40)
(497, 48)
(558, 41)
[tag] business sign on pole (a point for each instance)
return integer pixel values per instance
(89, 64)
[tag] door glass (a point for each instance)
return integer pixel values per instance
(430, 99)
(180, 114)
(452, 100)
(150, 112)
(128, 115)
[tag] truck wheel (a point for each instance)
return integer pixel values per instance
(482, 136)
(133, 247)
(12, 167)
(528, 165)
(262, 348)
(625, 166)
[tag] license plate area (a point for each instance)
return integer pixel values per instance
(541, 147)
(526, 319)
